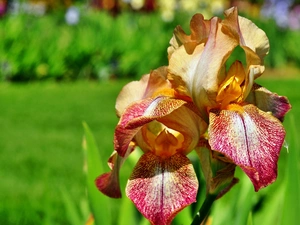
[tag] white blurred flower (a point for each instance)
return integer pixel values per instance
(72, 15)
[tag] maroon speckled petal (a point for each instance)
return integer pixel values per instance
(160, 188)
(139, 114)
(108, 183)
(269, 102)
(251, 138)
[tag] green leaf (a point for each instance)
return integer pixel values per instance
(99, 203)
(72, 212)
(291, 204)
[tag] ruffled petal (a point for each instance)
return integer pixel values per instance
(251, 138)
(269, 102)
(139, 114)
(161, 188)
(199, 33)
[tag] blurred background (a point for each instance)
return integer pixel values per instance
(63, 62)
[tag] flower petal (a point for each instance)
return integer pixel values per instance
(269, 102)
(202, 71)
(252, 39)
(148, 86)
(161, 188)
(139, 114)
(108, 183)
(251, 138)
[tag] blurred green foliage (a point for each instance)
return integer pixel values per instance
(101, 46)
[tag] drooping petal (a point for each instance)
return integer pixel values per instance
(161, 188)
(269, 102)
(148, 86)
(139, 114)
(251, 138)
(108, 183)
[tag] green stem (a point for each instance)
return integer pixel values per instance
(204, 210)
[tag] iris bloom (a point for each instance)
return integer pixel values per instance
(163, 181)
(244, 118)
(197, 102)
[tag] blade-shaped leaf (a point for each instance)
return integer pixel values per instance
(98, 202)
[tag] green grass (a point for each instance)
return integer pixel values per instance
(41, 154)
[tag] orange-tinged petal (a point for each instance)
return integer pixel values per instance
(251, 138)
(150, 85)
(160, 188)
(252, 39)
(269, 102)
(202, 71)
(199, 33)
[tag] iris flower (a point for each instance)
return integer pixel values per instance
(197, 102)
(163, 181)
(244, 118)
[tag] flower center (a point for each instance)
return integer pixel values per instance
(164, 141)
(231, 90)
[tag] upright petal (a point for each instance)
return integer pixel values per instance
(202, 71)
(252, 39)
(251, 138)
(161, 188)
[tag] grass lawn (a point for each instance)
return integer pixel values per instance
(41, 147)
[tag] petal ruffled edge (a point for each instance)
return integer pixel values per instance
(160, 188)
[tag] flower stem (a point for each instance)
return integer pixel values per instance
(204, 210)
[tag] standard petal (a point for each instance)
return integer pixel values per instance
(199, 33)
(139, 114)
(202, 72)
(161, 188)
(251, 138)
(269, 102)
(252, 39)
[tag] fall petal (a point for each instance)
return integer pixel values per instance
(139, 114)
(251, 138)
(108, 183)
(161, 188)
(269, 102)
